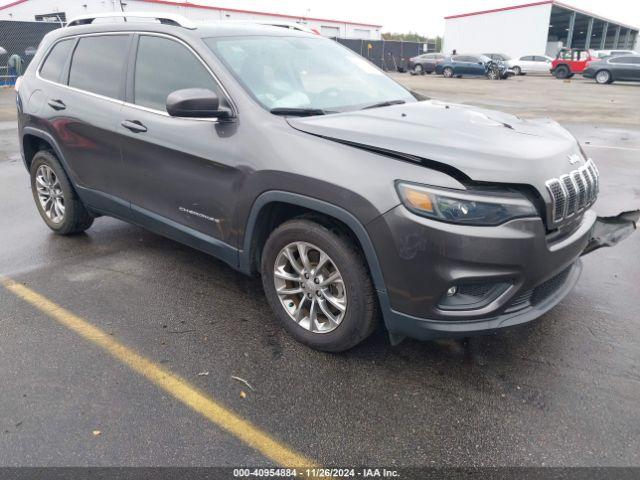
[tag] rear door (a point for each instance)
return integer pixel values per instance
(528, 64)
(177, 169)
(83, 105)
(579, 60)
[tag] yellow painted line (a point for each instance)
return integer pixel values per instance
(167, 381)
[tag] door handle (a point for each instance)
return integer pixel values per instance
(57, 104)
(134, 125)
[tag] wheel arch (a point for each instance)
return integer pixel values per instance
(34, 140)
(274, 207)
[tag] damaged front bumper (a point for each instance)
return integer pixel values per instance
(608, 231)
(541, 275)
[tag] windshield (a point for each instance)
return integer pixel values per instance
(305, 73)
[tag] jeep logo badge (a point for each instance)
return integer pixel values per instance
(573, 159)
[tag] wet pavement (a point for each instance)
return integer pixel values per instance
(561, 391)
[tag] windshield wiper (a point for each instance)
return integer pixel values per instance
(300, 112)
(385, 104)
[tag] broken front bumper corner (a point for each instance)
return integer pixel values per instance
(608, 231)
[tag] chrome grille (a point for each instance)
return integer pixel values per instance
(574, 192)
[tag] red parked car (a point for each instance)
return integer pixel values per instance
(570, 61)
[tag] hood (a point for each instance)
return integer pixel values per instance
(482, 145)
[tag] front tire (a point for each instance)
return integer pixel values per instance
(448, 72)
(418, 70)
(56, 201)
(603, 77)
(317, 284)
(493, 74)
(517, 70)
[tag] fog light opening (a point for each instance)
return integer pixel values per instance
(452, 291)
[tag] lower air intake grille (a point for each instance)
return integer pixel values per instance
(540, 293)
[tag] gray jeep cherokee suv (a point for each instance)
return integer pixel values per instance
(287, 155)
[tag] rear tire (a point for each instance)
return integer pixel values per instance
(418, 70)
(447, 72)
(562, 72)
(355, 288)
(55, 198)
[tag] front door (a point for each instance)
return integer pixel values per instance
(177, 170)
(627, 68)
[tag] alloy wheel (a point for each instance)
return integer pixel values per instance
(603, 76)
(50, 193)
(448, 72)
(310, 287)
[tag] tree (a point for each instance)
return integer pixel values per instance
(434, 44)
(405, 37)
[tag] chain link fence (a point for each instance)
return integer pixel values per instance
(18, 44)
(389, 55)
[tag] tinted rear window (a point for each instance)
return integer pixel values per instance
(98, 64)
(53, 65)
(154, 81)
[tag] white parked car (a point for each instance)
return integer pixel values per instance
(533, 64)
(607, 53)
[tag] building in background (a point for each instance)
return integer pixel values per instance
(536, 28)
(62, 10)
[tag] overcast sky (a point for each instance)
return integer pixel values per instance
(422, 16)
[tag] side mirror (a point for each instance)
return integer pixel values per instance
(196, 103)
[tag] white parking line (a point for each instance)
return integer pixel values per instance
(633, 149)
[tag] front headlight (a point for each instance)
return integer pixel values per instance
(464, 207)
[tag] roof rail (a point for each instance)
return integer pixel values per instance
(164, 18)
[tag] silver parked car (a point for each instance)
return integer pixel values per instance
(538, 64)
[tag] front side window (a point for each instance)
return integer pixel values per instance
(54, 64)
(98, 64)
(164, 66)
(300, 72)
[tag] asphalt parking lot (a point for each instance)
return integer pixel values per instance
(562, 391)
(577, 100)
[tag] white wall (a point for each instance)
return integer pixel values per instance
(515, 32)
(73, 8)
